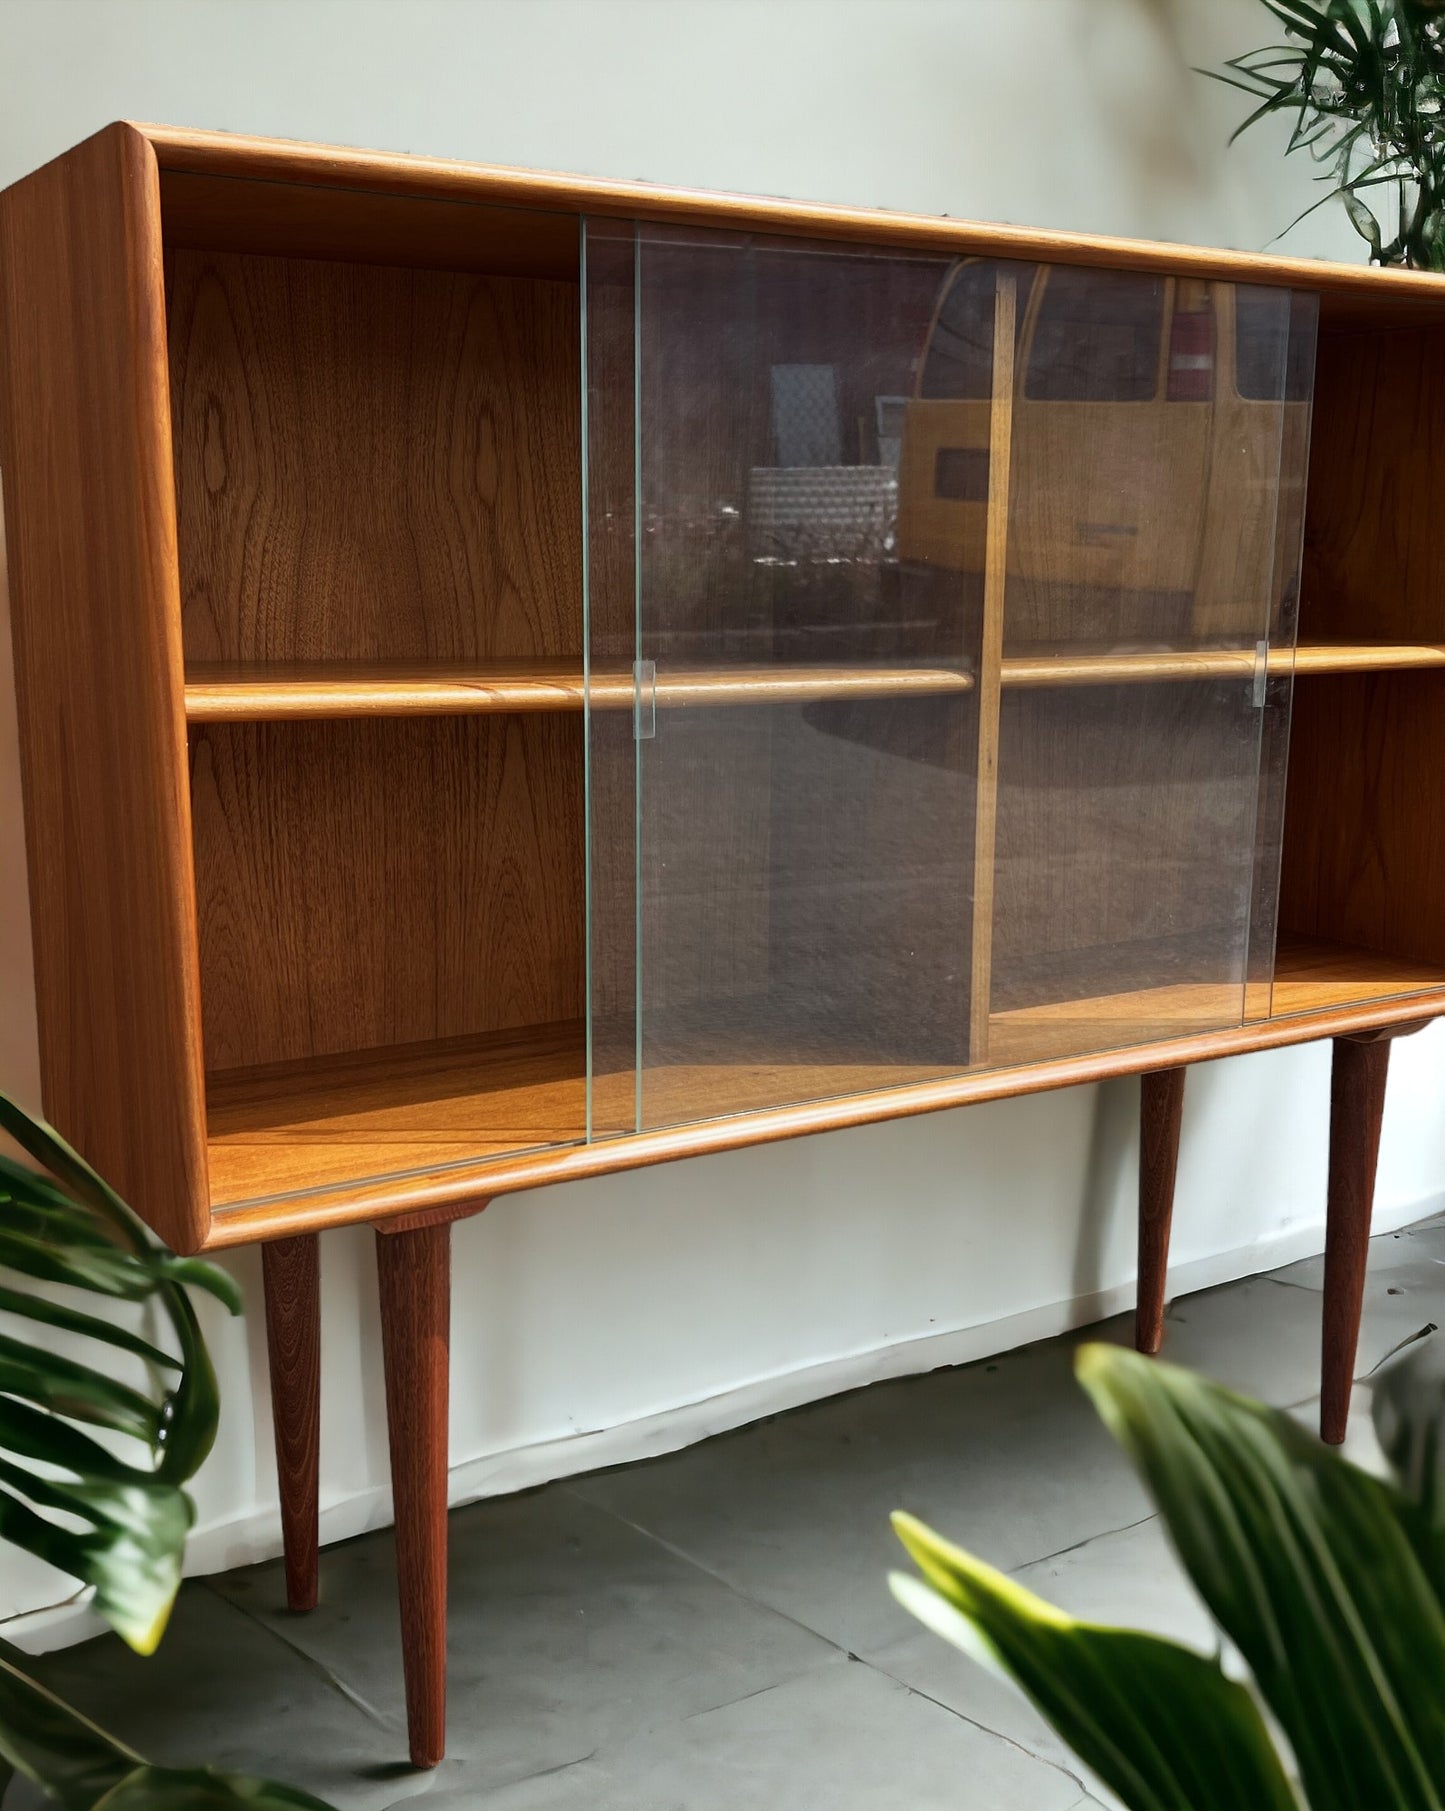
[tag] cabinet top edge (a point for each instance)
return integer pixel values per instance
(186, 151)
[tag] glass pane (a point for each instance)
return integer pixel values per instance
(802, 841)
(610, 643)
(1157, 452)
(931, 605)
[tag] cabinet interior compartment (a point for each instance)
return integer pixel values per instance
(1362, 891)
(376, 435)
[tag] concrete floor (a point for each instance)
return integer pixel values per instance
(712, 1631)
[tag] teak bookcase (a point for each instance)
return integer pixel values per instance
(524, 677)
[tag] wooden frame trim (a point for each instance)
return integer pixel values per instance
(226, 154)
(85, 443)
(375, 1201)
(990, 663)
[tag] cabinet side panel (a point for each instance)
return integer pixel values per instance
(90, 521)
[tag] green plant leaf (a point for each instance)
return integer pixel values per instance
(63, 1753)
(71, 1500)
(1160, 1725)
(72, 1320)
(1362, 219)
(1308, 1566)
(1408, 1407)
(81, 1768)
(65, 1497)
(1362, 78)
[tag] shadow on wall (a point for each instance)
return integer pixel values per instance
(1162, 129)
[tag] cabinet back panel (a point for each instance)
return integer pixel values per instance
(1372, 566)
(363, 884)
(1364, 839)
(1125, 852)
(373, 464)
(1364, 832)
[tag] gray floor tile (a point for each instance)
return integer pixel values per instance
(223, 1691)
(1257, 1336)
(842, 1739)
(1404, 1289)
(795, 1511)
(568, 1630)
(671, 1637)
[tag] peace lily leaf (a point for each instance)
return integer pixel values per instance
(1409, 1415)
(1160, 1725)
(1307, 1564)
(1408, 1409)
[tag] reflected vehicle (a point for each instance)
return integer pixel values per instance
(1151, 420)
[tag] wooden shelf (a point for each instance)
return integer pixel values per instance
(1310, 976)
(1144, 665)
(282, 692)
(1367, 657)
(1315, 976)
(267, 693)
(289, 1127)
(296, 1128)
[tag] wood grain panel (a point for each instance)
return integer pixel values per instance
(995, 578)
(1161, 1119)
(91, 541)
(1350, 293)
(414, 1275)
(368, 884)
(304, 220)
(374, 464)
(291, 1277)
(1371, 552)
(1364, 841)
(1357, 1110)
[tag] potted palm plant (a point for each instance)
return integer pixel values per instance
(1362, 82)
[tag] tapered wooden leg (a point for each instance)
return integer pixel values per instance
(291, 1272)
(1357, 1105)
(1161, 1112)
(414, 1276)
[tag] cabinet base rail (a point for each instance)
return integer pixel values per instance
(413, 1258)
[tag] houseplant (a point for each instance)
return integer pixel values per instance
(1363, 82)
(101, 1428)
(1329, 1582)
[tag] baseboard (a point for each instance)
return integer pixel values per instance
(245, 1539)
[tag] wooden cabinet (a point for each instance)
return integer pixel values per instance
(523, 677)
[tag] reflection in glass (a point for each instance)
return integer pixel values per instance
(957, 579)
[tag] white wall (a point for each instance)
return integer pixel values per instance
(608, 1319)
